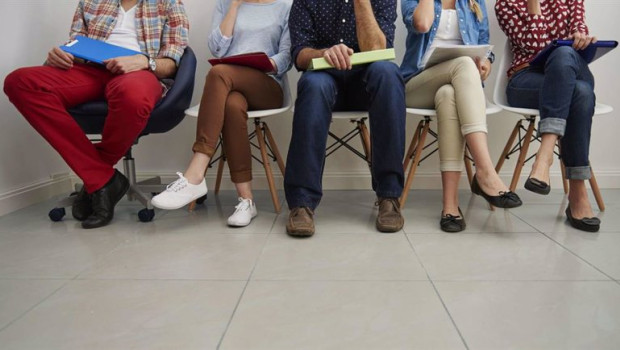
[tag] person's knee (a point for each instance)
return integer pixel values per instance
(18, 79)
(583, 96)
(220, 71)
(384, 70)
(236, 106)
(445, 94)
(317, 85)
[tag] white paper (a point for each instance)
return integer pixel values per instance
(441, 54)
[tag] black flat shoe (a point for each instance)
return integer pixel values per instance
(82, 206)
(104, 200)
(504, 200)
(451, 223)
(537, 186)
(585, 224)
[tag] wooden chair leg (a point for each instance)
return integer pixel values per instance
(413, 144)
(274, 148)
(267, 166)
(562, 169)
(415, 162)
(522, 154)
(365, 135)
(220, 171)
(508, 147)
(468, 166)
(597, 192)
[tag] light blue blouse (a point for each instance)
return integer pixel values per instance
(260, 27)
(472, 32)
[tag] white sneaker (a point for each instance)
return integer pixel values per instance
(179, 193)
(245, 211)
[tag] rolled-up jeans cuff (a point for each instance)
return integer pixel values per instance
(578, 173)
(555, 126)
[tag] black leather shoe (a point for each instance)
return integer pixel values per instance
(104, 200)
(451, 223)
(537, 186)
(82, 207)
(504, 200)
(585, 224)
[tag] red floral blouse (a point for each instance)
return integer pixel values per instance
(528, 33)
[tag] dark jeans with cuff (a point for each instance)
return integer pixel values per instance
(378, 88)
(563, 91)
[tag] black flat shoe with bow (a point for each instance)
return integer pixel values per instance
(537, 186)
(507, 199)
(451, 223)
(585, 224)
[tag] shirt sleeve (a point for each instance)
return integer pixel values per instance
(78, 26)
(283, 57)
(577, 17)
(301, 26)
(217, 42)
(385, 14)
(526, 31)
(407, 7)
(483, 31)
(175, 33)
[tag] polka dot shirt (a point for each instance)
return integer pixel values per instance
(320, 24)
(528, 33)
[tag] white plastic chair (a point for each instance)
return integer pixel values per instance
(529, 116)
(266, 144)
(418, 145)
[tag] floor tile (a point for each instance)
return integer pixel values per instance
(56, 253)
(127, 315)
(340, 315)
(420, 217)
(498, 257)
(360, 256)
(186, 254)
(599, 249)
(535, 315)
(18, 296)
(551, 218)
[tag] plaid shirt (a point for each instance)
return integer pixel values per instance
(162, 25)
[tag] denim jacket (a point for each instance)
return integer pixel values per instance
(472, 32)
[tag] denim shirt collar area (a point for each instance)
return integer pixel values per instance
(472, 32)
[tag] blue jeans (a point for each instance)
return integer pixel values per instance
(378, 88)
(563, 91)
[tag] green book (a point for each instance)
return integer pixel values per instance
(357, 58)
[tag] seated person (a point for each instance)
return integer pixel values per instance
(454, 88)
(334, 30)
(562, 89)
(131, 85)
(230, 90)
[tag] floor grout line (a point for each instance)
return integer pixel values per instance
(445, 307)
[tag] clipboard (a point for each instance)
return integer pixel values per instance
(442, 54)
(257, 60)
(591, 53)
(96, 50)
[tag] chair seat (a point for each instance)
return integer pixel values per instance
(423, 112)
(193, 112)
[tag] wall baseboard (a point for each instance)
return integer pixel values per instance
(35, 193)
(64, 183)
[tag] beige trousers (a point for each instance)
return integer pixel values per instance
(454, 89)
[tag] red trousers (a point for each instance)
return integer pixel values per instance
(43, 95)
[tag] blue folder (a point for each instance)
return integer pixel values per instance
(590, 53)
(95, 50)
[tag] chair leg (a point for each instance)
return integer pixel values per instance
(267, 166)
(597, 192)
(416, 161)
(509, 143)
(468, 166)
(365, 136)
(412, 145)
(274, 147)
(523, 154)
(563, 169)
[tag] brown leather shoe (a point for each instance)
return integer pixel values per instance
(389, 218)
(300, 222)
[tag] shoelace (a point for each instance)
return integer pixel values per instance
(244, 204)
(178, 184)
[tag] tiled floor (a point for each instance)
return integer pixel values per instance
(518, 279)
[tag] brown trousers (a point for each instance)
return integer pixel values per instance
(228, 94)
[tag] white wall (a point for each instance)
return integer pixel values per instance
(31, 27)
